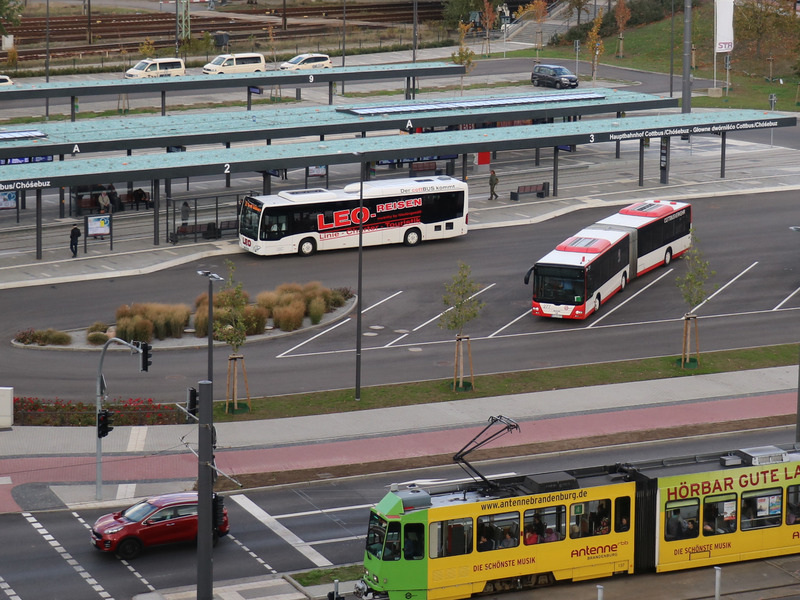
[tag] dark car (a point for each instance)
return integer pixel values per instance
(553, 75)
(165, 519)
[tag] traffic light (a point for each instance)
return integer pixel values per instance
(105, 418)
(145, 356)
(191, 402)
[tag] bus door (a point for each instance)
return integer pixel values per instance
(633, 258)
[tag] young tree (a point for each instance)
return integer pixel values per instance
(538, 12)
(462, 304)
(762, 22)
(455, 12)
(10, 14)
(577, 6)
(489, 21)
(693, 289)
(231, 328)
(622, 14)
(595, 42)
(464, 56)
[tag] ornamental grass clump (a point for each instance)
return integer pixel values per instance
(43, 337)
(289, 317)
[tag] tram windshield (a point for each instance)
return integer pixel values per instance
(376, 535)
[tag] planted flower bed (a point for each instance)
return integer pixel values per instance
(61, 413)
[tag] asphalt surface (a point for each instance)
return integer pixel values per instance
(608, 412)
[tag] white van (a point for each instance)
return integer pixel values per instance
(307, 61)
(157, 67)
(236, 63)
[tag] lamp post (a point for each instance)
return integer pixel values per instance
(360, 271)
(796, 228)
(212, 277)
(205, 460)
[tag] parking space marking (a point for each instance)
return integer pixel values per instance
(510, 323)
(128, 565)
(290, 538)
(724, 286)
(785, 300)
(320, 334)
(624, 302)
(68, 558)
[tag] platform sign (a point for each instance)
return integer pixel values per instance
(98, 226)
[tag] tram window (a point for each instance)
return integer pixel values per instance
(719, 514)
(793, 505)
(680, 519)
(450, 538)
(622, 514)
(414, 541)
(498, 531)
(590, 518)
(762, 508)
(546, 524)
(391, 549)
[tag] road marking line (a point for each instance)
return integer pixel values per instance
(40, 529)
(137, 439)
(259, 513)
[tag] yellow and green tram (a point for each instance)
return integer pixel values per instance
(454, 541)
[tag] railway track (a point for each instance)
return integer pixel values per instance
(125, 33)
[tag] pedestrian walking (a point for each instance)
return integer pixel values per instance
(493, 179)
(74, 234)
(185, 210)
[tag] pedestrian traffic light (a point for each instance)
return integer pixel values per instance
(105, 418)
(145, 356)
(191, 402)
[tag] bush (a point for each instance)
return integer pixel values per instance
(316, 309)
(289, 317)
(135, 328)
(97, 338)
(133, 411)
(255, 319)
(267, 300)
(98, 326)
(42, 337)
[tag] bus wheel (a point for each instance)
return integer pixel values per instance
(667, 257)
(307, 247)
(624, 282)
(413, 237)
(596, 304)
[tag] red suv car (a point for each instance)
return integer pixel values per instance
(158, 520)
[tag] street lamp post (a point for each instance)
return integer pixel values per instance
(360, 272)
(205, 460)
(212, 277)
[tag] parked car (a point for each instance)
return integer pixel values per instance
(307, 61)
(553, 75)
(165, 519)
(157, 67)
(248, 62)
(5, 80)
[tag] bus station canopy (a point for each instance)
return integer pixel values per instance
(104, 135)
(114, 87)
(342, 151)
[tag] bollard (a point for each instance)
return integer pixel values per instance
(599, 592)
(717, 582)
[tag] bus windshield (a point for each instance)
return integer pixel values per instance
(376, 535)
(251, 215)
(558, 285)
